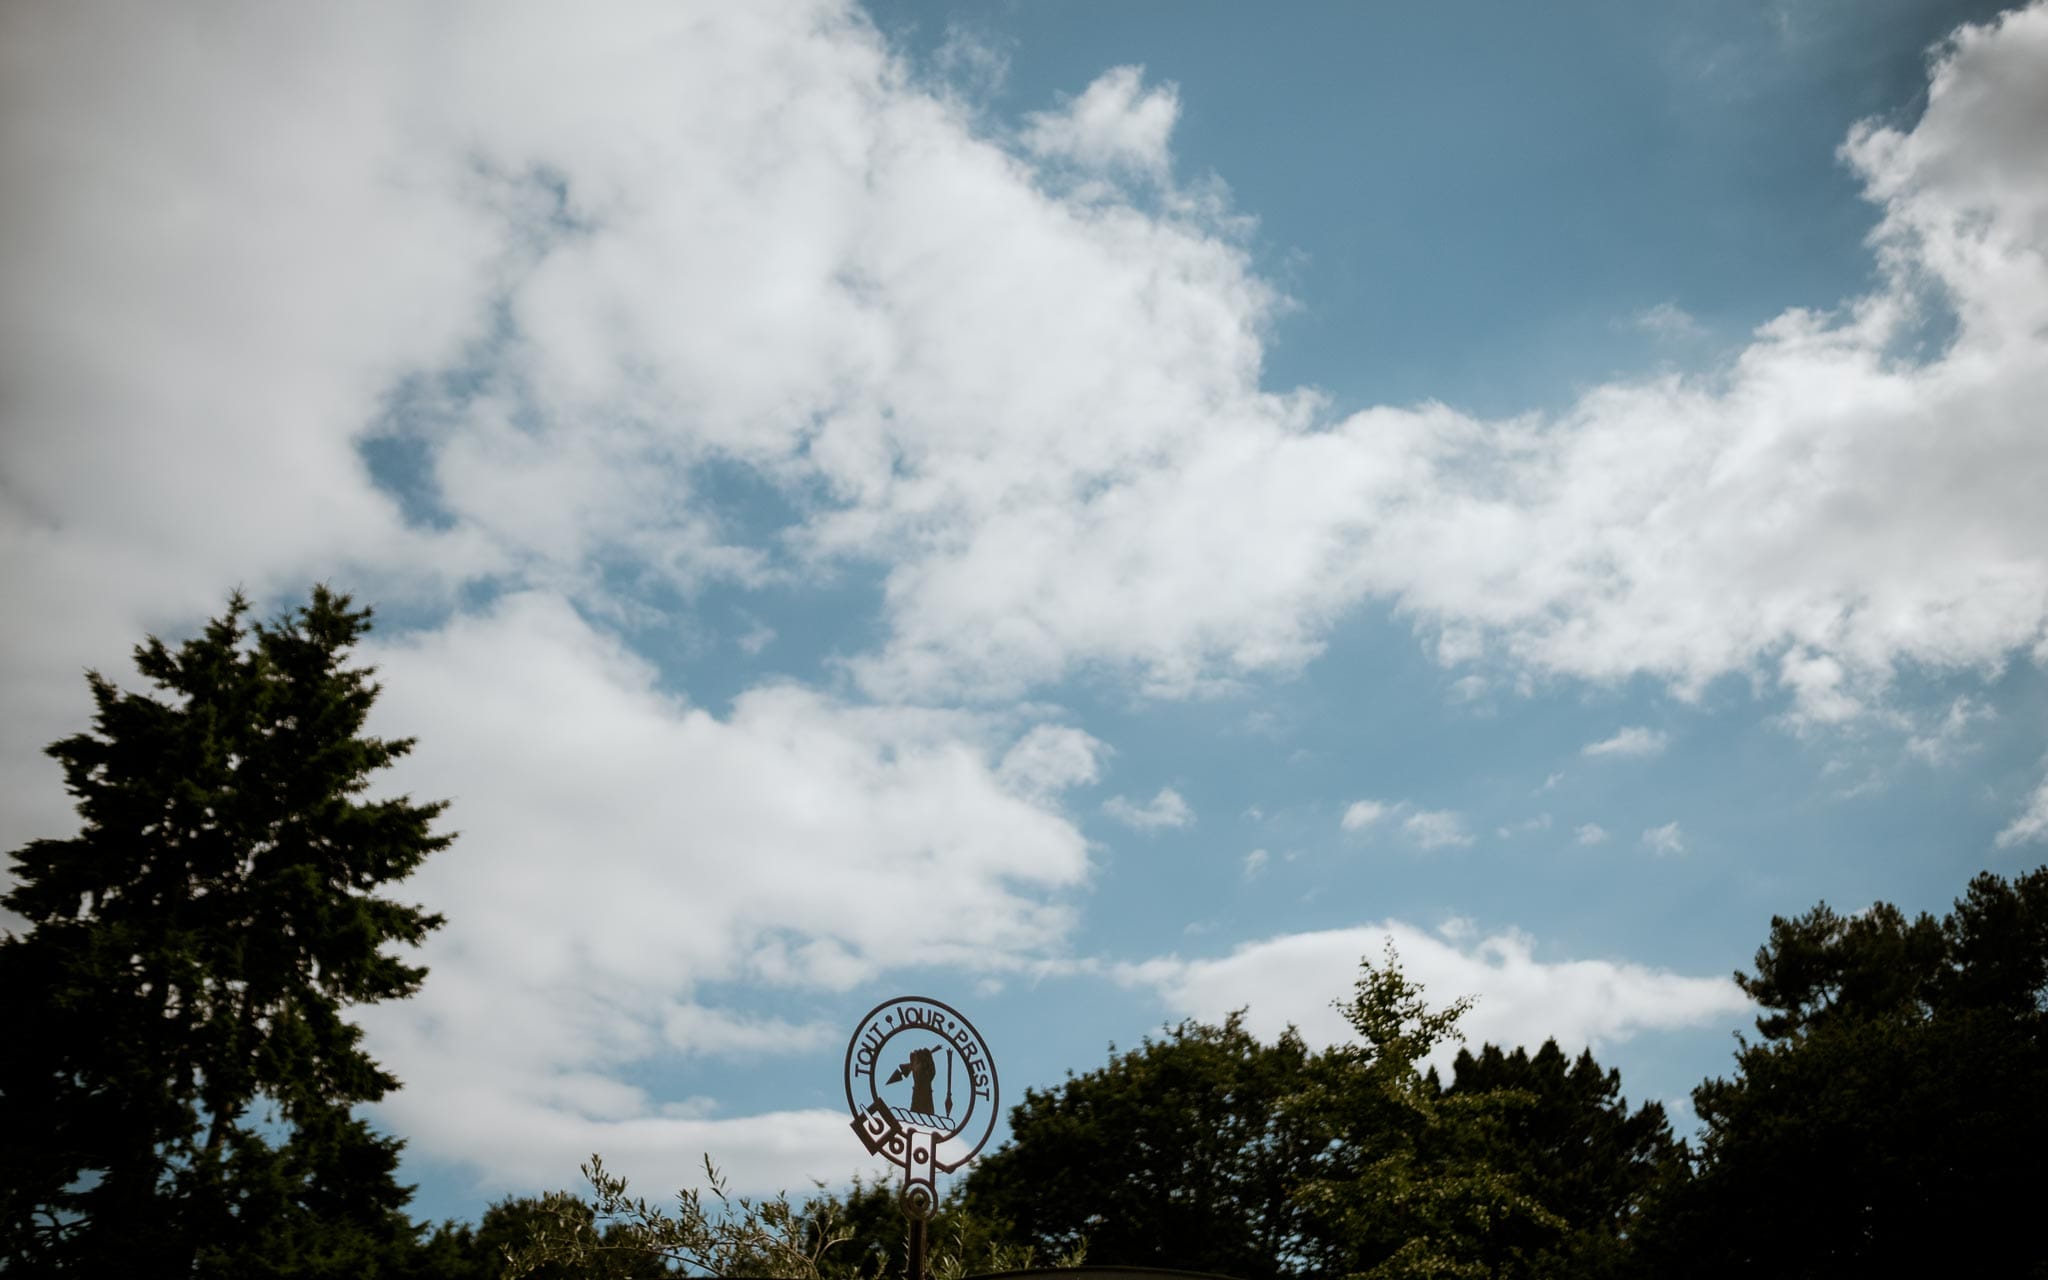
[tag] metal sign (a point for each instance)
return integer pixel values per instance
(921, 1085)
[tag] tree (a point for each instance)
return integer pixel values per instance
(1209, 1150)
(176, 1090)
(1406, 1180)
(1567, 1137)
(1892, 1116)
(1176, 1154)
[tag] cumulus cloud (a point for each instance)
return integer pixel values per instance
(1668, 320)
(1664, 841)
(1167, 809)
(1049, 759)
(1044, 418)
(1293, 978)
(1425, 828)
(1541, 822)
(623, 853)
(1115, 123)
(1363, 813)
(1255, 862)
(1590, 833)
(1946, 740)
(740, 238)
(694, 1028)
(1436, 828)
(1632, 741)
(1818, 512)
(2032, 822)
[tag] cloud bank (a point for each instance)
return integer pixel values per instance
(572, 272)
(1521, 1000)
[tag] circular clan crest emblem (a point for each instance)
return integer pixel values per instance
(921, 1085)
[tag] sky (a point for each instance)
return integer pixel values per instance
(1093, 514)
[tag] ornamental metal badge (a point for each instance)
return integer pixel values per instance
(921, 1085)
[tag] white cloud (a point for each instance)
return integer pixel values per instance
(1167, 809)
(1117, 123)
(740, 235)
(639, 851)
(1293, 978)
(1541, 822)
(693, 1028)
(1254, 863)
(1364, 813)
(1820, 510)
(1945, 741)
(2031, 824)
(1436, 828)
(744, 236)
(1590, 833)
(1051, 758)
(1664, 841)
(1632, 741)
(755, 638)
(1669, 321)
(1818, 683)
(1427, 828)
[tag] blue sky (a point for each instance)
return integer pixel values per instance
(1096, 515)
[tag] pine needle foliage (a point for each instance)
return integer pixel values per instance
(178, 1088)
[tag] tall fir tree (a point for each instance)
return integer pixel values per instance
(177, 1091)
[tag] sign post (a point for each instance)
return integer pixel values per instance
(893, 1064)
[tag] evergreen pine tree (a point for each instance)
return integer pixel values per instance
(178, 1086)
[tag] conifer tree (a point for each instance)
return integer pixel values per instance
(1890, 1116)
(177, 1089)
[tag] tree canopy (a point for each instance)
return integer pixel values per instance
(1407, 1182)
(176, 1092)
(1179, 1153)
(1210, 1150)
(1893, 1113)
(1567, 1137)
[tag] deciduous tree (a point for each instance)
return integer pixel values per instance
(1179, 1153)
(1410, 1180)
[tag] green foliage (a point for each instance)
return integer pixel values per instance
(459, 1251)
(1892, 1116)
(1568, 1138)
(1208, 1150)
(177, 1086)
(826, 1237)
(1176, 1154)
(720, 1234)
(1407, 1184)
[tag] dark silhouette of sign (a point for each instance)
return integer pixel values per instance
(907, 1127)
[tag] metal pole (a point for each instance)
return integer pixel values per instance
(913, 1268)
